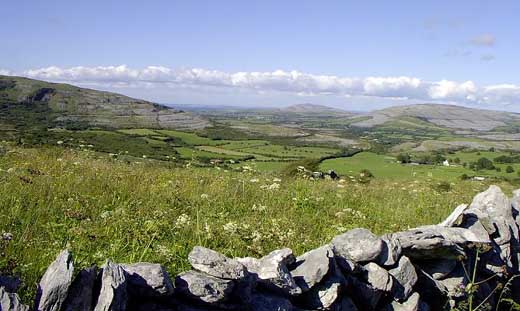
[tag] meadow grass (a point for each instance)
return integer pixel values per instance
(287, 151)
(54, 198)
(385, 166)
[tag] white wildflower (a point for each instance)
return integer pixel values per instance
(182, 221)
(230, 227)
(7, 236)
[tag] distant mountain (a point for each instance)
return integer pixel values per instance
(24, 101)
(312, 108)
(449, 116)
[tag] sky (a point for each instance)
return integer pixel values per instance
(356, 55)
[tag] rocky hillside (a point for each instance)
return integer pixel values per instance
(25, 100)
(449, 116)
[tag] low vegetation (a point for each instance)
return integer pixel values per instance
(137, 209)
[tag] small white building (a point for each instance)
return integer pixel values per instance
(446, 163)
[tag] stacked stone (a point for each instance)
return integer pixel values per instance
(426, 268)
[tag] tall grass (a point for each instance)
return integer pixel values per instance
(143, 210)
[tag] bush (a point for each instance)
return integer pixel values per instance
(510, 169)
(404, 158)
(443, 186)
(484, 164)
(365, 176)
(464, 177)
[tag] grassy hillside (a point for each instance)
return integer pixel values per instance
(145, 210)
(27, 103)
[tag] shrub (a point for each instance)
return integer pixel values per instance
(443, 186)
(484, 164)
(404, 158)
(464, 177)
(365, 176)
(510, 169)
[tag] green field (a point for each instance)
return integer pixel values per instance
(290, 151)
(383, 166)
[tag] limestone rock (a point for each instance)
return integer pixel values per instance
(10, 283)
(392, 250)
(272, 271)
(439, 268)
(347, 305)
(412, 304)
(113, 295)
(455, 218)
(364, 295)
(265, 302)
(11, 301)
(216, 264)
(312, 267)
(405, 278)
(55, 283)
(148, 279)
(378, 277)
(323, 296)
(433, 242)
(358, 245)
(202, 287)
(432, 291)
(80, 297)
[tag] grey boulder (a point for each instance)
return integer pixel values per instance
(215, 264)
(358, 245)
(80, 297)
(440, 268)
(11, 301)
(54, 285)
(272, 271)
(405, 278)
(113, 295)
(148, 279)
(202, 287)
(433, 242)
(412, 304)
(378, 277)
(392, 250)
(267, 302)
(312, 267)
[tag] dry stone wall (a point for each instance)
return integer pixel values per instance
(426, 268)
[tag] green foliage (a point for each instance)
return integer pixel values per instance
(510, 169)
(404, 158)
(503, 159)
(443, 186)
(482, 164)
(464, 177)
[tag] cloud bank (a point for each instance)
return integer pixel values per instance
(286, 82)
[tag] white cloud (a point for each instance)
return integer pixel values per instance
(485, 39)
(287, 82)
(4, 72)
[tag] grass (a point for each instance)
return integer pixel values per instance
(145, 210)
(191, 138)
(287, 151)
(383, 166)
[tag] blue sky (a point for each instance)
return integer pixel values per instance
(353, 54)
